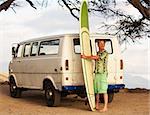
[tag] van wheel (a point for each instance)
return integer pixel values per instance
(110, 98)
(14, 91)
(52, 96)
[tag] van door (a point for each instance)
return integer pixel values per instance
(111, 58)
(49, 61)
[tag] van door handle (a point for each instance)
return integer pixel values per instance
(55, 70)
(18, 61)
(61, 68)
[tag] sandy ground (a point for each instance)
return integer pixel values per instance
(3, 77)
(33, 103)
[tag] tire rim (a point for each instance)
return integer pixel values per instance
(49, 94)
(12, 87)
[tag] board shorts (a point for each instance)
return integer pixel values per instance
(100, 83)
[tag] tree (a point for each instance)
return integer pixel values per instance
(126, 27)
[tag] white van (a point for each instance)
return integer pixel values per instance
(53, 64)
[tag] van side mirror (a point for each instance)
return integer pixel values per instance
(14, 50)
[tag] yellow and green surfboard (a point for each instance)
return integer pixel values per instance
(86, 50)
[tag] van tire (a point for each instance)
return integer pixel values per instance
(110, 98)
(52, 95)
(14, 90)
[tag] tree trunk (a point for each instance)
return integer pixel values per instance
(143, 10)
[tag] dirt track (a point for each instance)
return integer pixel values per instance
(32, 103)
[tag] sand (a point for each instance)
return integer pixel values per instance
(33, 103)
(3, 77)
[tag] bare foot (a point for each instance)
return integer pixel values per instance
(103, 110)
(97, 108)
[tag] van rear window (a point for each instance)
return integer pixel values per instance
(77, 47)
(108, 46)
(49, 47)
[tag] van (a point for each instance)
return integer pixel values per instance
(53, 64)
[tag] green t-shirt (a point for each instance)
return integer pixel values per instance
(101, 64)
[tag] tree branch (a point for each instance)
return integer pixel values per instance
(31, 4)
(6, 5)
(147, 2)
(71, 9)
(143, 10)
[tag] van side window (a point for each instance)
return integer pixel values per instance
(19, 54)
(108, 46)
(34, 48)
(49, 47)
(77, 47)
(27, 50)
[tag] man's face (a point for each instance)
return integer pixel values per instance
(101, 44)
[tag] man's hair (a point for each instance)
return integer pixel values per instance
(101, 40)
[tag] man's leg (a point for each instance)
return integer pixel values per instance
(97, 101)
(105, 102)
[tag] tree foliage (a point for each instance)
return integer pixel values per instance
(126, 26)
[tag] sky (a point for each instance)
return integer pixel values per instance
(29, 23)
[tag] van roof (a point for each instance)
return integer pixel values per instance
(63, 35)
(48, 37)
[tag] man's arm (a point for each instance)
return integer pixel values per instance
(90, 57)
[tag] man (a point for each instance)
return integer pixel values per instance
(100, 81)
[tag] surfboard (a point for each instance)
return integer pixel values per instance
(86, 50)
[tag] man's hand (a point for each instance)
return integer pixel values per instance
(83, 56)
(96, 57)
